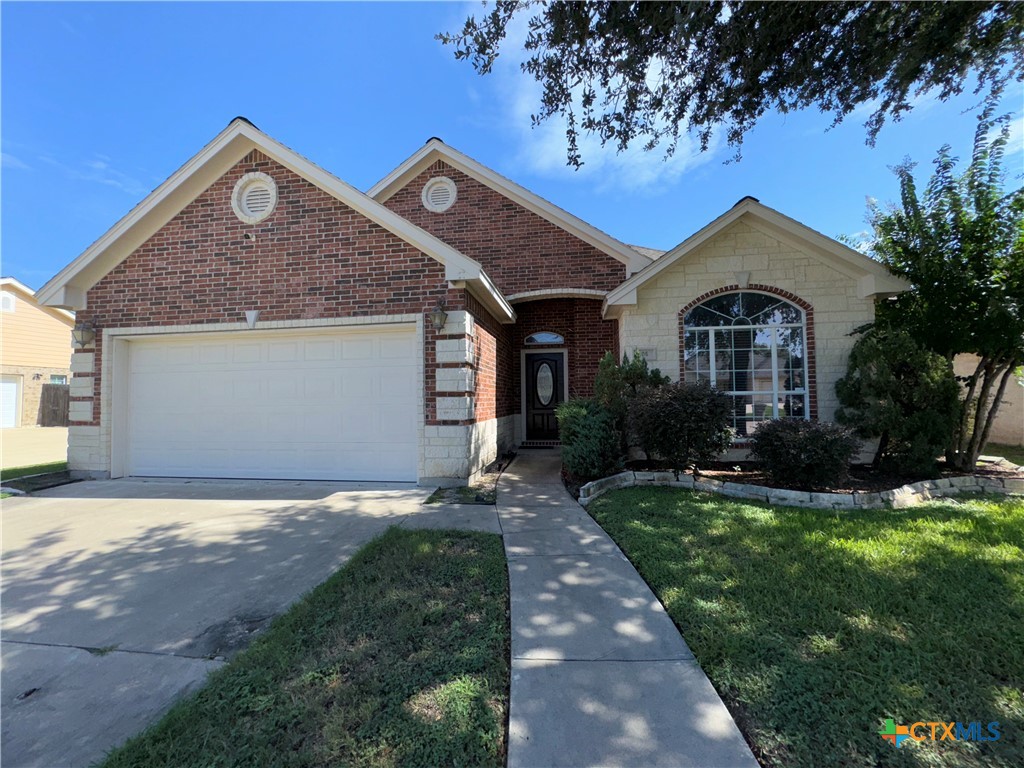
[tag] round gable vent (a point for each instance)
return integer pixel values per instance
(254, 197)
(439, 194)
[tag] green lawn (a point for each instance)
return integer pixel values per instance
(33, 469)
(815, 627)
(1014, 453)
(399, 659)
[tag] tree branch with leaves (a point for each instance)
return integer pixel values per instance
(960, 243)
(652, 71)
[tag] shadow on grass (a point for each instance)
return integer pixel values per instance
(401, 658)
(815, 627)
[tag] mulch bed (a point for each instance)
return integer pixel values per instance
(483, 492)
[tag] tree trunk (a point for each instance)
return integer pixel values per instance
(962, 434)
(982, 411)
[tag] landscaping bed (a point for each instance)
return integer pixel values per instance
(483, 492)
(863, 478)
(815, 628)
(400, 658)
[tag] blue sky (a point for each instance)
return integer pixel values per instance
(101, 102)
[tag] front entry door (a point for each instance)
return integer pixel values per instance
(545, 389)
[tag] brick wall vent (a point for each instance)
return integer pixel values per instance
(254, 197)
(439, 194)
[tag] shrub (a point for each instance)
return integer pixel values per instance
(804, 454)
(591, 441)
(682, 423)
(616, 385)
(904, 395)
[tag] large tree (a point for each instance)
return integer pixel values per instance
(960, 243)
(648, 71)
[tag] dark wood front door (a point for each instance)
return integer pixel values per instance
(545, 389)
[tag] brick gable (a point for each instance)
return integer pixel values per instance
(313, 257)
(519, 250)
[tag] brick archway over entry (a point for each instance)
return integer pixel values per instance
(812, 379)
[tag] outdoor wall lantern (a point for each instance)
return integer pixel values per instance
(438, 317)
(83, 334)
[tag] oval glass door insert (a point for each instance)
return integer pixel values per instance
(545, 383)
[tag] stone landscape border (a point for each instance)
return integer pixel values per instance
(905, 496)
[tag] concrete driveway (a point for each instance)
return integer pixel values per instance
(120, 596)
(24, 446)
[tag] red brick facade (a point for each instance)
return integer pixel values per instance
(587, 337)
(493, 365)
(519, 250)
(313, 257)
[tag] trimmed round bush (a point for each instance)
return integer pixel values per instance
(804, 454)
(681, 423)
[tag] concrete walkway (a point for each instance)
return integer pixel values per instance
(600, 674)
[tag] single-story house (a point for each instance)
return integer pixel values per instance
(257, 317)
(35, 350)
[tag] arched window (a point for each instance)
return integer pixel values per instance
(753, 347)
(545, 338)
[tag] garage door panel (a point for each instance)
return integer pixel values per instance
(311, 406)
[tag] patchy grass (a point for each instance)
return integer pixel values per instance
(399, 659)
(815, 626)
(464, 494)
(33, 469)
(1014, 453)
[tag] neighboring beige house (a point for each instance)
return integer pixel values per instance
(35, 349)
(1008, 428)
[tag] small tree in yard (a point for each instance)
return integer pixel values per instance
(961, 246)
(684, 424)
(904, 395)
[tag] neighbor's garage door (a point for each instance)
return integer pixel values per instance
(311, 406)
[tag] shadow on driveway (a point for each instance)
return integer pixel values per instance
(119, 596)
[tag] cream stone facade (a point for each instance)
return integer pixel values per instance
(740, 255)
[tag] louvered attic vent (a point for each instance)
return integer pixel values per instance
(254, 197)
(439, 194)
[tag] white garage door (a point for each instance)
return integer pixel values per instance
(310, 406)
(10, 397)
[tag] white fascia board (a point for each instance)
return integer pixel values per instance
(626, 293)
(159, 207)
(68, 287)
(769, 221)
(437, 150)
(457, 265)
(487, 294)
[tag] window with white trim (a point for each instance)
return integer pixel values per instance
(58, 378)
(752, 346)
(7, 301)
